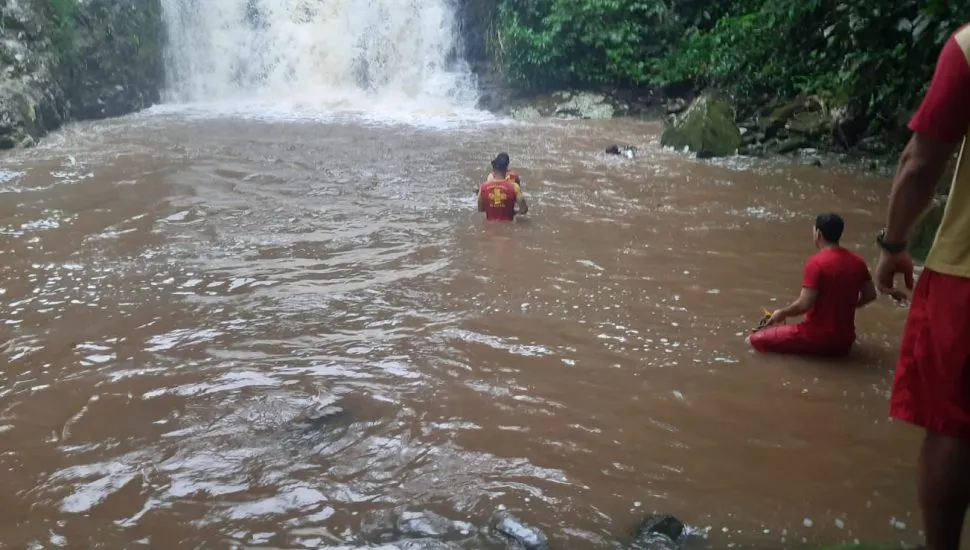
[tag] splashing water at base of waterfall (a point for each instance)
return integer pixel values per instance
(387, 60)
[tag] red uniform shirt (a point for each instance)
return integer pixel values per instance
(838, 275)
(500, 197)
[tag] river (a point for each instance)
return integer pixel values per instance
(267, 324)
(179, 291)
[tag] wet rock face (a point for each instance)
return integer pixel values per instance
(31, 98)
(109, 63)
(706, 127)
(119, 52)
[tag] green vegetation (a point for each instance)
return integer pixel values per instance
(874, 58)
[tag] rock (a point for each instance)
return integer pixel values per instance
(812, 124)
(526, 113)
(925, 229)
(873, 145)
(425, 524)
(859, 547)
(520, 533)
(425, 544)
(708, 124)
(126, 37)
(585, 105)
(789, 145)
(675, 105)
(108, 62)
(662, 524)
(622, 150)
(653, 541)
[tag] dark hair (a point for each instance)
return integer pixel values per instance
(830, 226)
(501, 162)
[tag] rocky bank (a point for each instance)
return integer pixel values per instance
(64, 60)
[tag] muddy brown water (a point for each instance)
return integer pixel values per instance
(179, 293)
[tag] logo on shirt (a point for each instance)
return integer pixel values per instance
(498, 197)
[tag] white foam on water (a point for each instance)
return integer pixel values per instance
(380, 61)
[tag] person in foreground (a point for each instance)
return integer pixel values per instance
(931, 388)
(500, 197)
(836, 282)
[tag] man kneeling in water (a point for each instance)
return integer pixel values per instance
(500, 197)
(836, 283)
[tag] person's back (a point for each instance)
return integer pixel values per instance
(501, 195)
(840, 275)
(498, 198)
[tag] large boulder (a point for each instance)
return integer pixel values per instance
(706, 127)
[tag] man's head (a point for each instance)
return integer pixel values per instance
(501, 163)
(828, 229)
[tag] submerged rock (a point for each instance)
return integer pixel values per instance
(520, 533)
(425, 544)
(662, 524)
(653, 541)
(707, 125)
(429, 524)
(622, 150)
(658, 532)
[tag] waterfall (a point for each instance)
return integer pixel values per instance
(329, 52)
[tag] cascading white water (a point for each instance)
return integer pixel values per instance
(337, 53)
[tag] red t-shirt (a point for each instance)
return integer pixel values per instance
(838, 274)
(500, 197)
(944, 113)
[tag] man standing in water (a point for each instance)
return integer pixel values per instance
(836, 283)
(500, 197)
(932, 383)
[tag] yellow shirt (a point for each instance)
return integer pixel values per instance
(944, 115)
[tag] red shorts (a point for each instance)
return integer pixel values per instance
(796, 340)
(932, 384)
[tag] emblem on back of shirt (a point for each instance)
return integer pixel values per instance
(498, 196)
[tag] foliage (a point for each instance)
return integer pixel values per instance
(548, 43)
(874, 56)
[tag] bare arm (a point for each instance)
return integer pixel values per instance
(481, 201)
(920, 167)
(521, 206)
(867, 295)
(806, 301)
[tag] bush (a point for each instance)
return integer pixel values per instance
(875, 56)
(548, 43)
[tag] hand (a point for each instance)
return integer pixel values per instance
(777, 318)
(887, 268)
